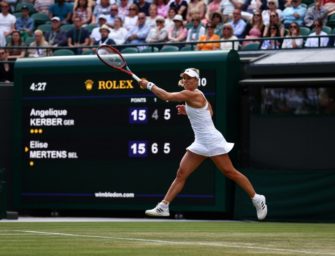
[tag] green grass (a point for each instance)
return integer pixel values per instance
(166, 238)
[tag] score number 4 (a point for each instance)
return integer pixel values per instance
(40, 86)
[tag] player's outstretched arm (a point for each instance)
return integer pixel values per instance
(165, 95)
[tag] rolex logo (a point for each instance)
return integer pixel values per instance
(89, 84)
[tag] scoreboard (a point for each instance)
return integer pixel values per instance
(88, 137)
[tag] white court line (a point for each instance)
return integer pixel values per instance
(191, 243)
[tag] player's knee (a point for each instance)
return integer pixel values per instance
(231, 173)
(181, 174)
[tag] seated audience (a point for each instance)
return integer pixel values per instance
(143, 6)
(104, 38)
(196, 30)
(313, 40)
(7, 20)
(6, 68)
(95, 34)
(118, 33)
(16, 41)
(62, 10)
(209, 36)
(228, 35)
(104, 8)
(42, 6)
(294, 13)
(83, 11)
(271, 44)
(180, 6)
(130, 21)
(238, 24)
(25, 24)
(289, 42)
(56, 37)
(162, 7)
(315, 12)
(37, 47)
(159, 34)
(272, 7)
(275, 20)
(139, 33)
(178, 32)
(195, 7)
(78, 36)
(254, 28)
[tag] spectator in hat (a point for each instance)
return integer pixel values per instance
(95, 34)
(178, 33)
(62, 10)
(158, 34)
(7, 20)
(218, 20)
(56, 37)
(104, 38)
(25, 24)
(118, 33)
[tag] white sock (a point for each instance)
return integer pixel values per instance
(165, 205)
(255, 197)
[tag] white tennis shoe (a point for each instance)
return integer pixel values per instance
(259, 202)
(161, 210)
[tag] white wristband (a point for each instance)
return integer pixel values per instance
(150, 85)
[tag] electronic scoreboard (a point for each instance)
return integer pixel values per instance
(88, 137)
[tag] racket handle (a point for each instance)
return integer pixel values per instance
(136, 77)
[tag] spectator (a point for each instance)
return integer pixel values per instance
(6, 68)
(38, 47)
(313, 40)
(178, 32)
(143, 6)
(2, 40)
(329, 5)
(238, 24)
(103, 8)
(252, 6)
(123, 8)
(16, 41)
(139, 33)
(227, 8)
(7, 20)
(104, 38)
(272, 8)
(153, 13)
(130, 21)
(213, 7)
(42, 6)
(196, 31)
(195, 7)
(25, 23)
(169, 23)
(113, 14)
(118, 33)
(294, 31)
(294, 13)
(254, 28)
(228, 35)
(209, 36)
(78, 36)
(180, 6)
(55, 36)
(315, 12)
(270, 44)
(83, 11)
(162, 7)
(62, 10)
(217, 19)
(95, 34)
(158, 34)
(275, 20)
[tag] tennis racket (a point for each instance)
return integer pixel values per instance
(113, 58)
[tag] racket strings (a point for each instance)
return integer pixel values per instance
(111, 58)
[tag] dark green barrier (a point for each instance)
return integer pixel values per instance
(291, 195)
(3, 194)
(89, 138)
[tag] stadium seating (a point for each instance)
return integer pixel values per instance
(305, 31)
(63, 52)
(149, 49)
(129, 50)
(29, 40)
(251, 47)
(30, 6)
(169, 48)
(87, 52)
(66, 27)
(40, 18)
(187, 48)
(327, 29)
(331, 21)
(44, 28)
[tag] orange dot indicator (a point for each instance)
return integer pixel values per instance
(36, 131)
(40, 131)
(32, 131)
(26, 149)
(31, 163)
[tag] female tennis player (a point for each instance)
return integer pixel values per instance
(209, 143)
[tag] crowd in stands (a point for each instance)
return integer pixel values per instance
(82, 25)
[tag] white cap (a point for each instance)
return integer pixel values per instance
(101, 16)
(178, 17)
(191, 72)
(55, 18)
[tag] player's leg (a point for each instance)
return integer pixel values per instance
(225, 165)
(188, 164)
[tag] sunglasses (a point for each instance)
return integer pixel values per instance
(271, 3)
(226, 28)
(2, 53)
(257, 15)
(293, 26)
(274, 28)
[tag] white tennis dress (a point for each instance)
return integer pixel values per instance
(208, 140)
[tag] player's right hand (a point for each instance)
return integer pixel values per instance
(181, 110)
(143, 83)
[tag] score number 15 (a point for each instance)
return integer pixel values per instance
(140, 115)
